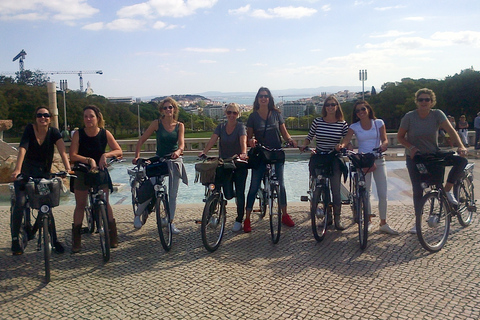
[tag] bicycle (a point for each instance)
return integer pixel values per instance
(269, 191)
(320, 197)
(433, 221)
(214, 213)
(96, 208)
(147, 182)
(41, 195)
(358, 191)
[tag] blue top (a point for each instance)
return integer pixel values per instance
(229, 144)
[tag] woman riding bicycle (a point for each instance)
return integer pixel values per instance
(170, 135)
(418, 133)
(266, 124)
(35, 157)
(233, 141)
(88, 147)
(371, 134)
(328, 130)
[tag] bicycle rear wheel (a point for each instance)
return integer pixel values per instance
(103, 231)
(47, 247)
(466, 201)
(363, 219)
(262, 202)
(433, 222)
(319, 214)
(275, 213)
(213, 222)
(164, 224)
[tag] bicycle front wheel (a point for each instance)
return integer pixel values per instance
(89, 217)
(47, 247)
(164, 224)
(319, 214)
(363, 219)
(275, 213)
(433, 222)
(213, 222)
(103, 231)
(466, 201)
(262, 202)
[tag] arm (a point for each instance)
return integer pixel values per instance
(18, 166)
(181, 141)
(447, 126)
(286, 135)
(243, 146)
(251, 141)
(403, 141)
(115, 151)
(150, 130)
(383, 138)
(63, 154)
(74, 156)
(346, 140)
(210, 144)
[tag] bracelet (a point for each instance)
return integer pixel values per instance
(88, 160)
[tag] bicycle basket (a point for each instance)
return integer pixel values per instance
(96, 178)
(206, 171)
(430, 169)
(272, 156)
(157, 169)
(43, 191)
(362, 160)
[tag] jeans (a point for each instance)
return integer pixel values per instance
(477, 138)
(380, 176)
(239, 178)
(257, 175)
(458, 164)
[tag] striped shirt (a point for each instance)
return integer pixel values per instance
(327, 134)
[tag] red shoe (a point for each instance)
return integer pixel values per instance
(246, 226)
(286, 220)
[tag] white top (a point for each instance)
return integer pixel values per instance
(368, 139)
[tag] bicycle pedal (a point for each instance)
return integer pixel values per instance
(304, 198)
(198, 221)
(256, 210)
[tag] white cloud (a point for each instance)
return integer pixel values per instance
(415, 18)
(141, 9)
(159, 25)
(389, 8)
(66, 10)
(240, 11)
(126, 25)
(289, 12)
(94, 26)
(207, 50)
(468, 38)
(391, 34)
(326, 8)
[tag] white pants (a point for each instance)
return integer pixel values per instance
(380, 176)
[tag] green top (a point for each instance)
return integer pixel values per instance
(167, 142)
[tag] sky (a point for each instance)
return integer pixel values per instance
(167, 47)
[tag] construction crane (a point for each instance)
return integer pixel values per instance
(80, 74)
(20, 56)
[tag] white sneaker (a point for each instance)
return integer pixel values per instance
(137, 222)
(175, 230)
(386, 229)
(451, 198)
(237, 226)
(370, 227)
(413, 230)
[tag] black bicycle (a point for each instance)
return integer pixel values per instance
(42, 195)
(147, 182)
(96, 208)
(433, 221)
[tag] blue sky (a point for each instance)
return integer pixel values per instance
(164, 47)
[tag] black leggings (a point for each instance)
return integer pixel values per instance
(458, 165)
(239, 178)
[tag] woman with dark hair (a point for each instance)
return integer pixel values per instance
(233, 142)
(88, 147)
(35, 157)
(328, 130)
(371, 134)
(170, 134)
(418, 133)
(265, 125)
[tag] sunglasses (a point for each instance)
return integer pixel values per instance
(266, 96)
(330, 105)
(168, 107)
(43, 115)
(424, 99)
(232, 112)
(361, 109)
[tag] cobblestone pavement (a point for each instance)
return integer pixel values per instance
(247, 277)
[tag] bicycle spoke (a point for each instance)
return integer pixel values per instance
(433, 222)
(164, 224)
(213, 222)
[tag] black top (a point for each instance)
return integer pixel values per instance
(38, 158)
(92, 147)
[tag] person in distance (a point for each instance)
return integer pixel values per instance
(233, 141)
(418, 133)
(170, 135)
(265, 125)
(88, 146)
(35, 157)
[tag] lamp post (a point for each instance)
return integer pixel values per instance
(138, 116)
(362, 75)
(64, 87)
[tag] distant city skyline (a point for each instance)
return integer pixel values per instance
(167, 47)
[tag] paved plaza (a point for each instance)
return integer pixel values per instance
(248, 277)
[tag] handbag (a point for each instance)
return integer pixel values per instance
(272, 156)
(253, 158)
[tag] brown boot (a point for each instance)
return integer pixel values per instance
(76, 238)
(336, 217)
(112, 227)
